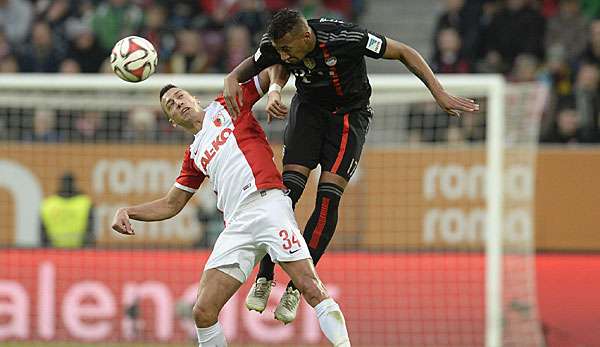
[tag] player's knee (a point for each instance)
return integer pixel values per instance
(205, 315)
(312, 289)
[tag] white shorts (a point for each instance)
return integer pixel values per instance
(264, 223)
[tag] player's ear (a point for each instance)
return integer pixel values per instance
(307, 36)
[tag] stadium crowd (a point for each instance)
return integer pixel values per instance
(556, 42)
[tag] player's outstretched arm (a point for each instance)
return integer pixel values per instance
(451, 104)
(160, 209)
(232, 92)
(272, 80)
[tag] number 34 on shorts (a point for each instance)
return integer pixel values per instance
(289, 241)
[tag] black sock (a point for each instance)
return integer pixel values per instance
(295, 182)
(322, 222)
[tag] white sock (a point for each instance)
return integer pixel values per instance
(332, 322)
(212, 336)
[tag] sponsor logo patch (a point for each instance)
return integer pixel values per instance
(374, 44)
(257, 54)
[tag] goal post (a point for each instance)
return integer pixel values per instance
(437, 223)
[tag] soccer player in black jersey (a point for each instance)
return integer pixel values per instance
(328, 119)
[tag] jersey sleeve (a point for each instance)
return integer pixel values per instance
(265, 55)
(251, 92)
(190, 178)
(364, 42)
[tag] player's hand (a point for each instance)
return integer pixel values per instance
(454, 105)
(275, 108)
(121, 223)
(233, 95)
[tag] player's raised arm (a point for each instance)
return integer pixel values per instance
(272, 80)
(232, 92)
(264, 57)
(161, 209)
(451, 104)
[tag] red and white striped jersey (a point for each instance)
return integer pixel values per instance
(233, 154)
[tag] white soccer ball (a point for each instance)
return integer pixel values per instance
(133, 59)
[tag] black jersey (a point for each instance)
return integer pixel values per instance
(333, 75)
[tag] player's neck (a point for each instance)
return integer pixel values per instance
(197, 120)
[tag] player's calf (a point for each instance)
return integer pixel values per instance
(331, 319)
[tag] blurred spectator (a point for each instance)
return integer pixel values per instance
(88, 127)
(491, 63)
(67, 217)
(592, 52)
(587, 97)
(473, 126)
(454, 135)
(557, 74)
(427, 123)
(464, 17)
(515, 29)
(114, 20)
(253, 17)
(183, 13)
(238, 45)
(559, 71)
(55, 13)
(141, 126)
(15, 19)
(69, 66)
(9, 64)
(155, 31)
(525, 69)
(5, 49)
(84, 48)
(567, 128)
(43, 53)
(189, 56)
(449, 57)
(566, 28)
(44, 127)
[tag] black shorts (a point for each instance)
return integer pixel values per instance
(314, 135)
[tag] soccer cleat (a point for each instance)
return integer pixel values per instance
(259, 295)
(288, 306)
(344, 344)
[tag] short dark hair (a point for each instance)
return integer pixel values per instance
(283, 22)
(165, 89)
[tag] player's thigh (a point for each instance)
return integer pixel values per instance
(303, 134)
(277, 231)
(343, 142)
(215, 289)
(235, 252)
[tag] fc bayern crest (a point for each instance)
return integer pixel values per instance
(217, 120)
(331, 61)
(310, 63)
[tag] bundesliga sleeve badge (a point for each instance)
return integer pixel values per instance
(374, 43)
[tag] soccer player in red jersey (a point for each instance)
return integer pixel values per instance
(234, 155)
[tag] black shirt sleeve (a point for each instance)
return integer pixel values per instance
(370, 44)
(266, 55)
